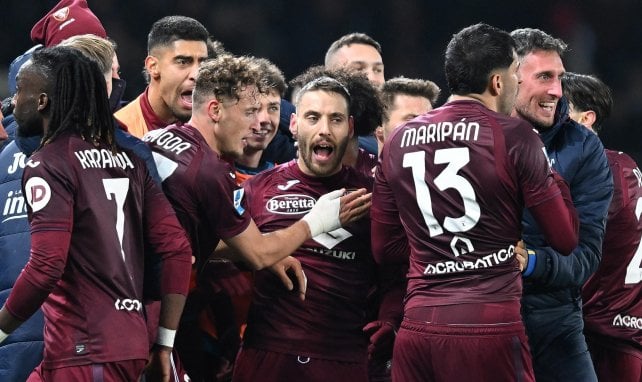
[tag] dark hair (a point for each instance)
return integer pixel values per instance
(365, 104)
(407, 86)
(473, 53)
(349, 39)
(272, 76)
(171, 28)
(588, 92)
(528, 40)
(77, 94)
(225, 77)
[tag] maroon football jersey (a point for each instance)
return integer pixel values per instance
(200, 185)
(338, 266)
(457, 180)
(613, 295)
(366, 162)
(109, 203)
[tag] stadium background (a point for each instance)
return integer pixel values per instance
(605, 37)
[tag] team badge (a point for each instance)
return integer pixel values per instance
(238, 196)
(37, 193)
(61, 14)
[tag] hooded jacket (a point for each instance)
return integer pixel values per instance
(578, 155)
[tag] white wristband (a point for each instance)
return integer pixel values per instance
(165, 337)
(3, 335)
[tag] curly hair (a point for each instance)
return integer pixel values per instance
(273, 78)
(225, 77)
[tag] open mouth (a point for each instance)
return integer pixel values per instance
(548, 106)
(186, 98)
(323, 151)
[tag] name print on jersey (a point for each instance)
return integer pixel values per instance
(439, 132)
(103, 158)
(167, 140)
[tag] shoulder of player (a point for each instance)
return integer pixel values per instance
(620, 158)
(357, 179)
(275, 175)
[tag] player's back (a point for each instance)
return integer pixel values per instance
(98, 196)
(613, 295)
(460, 176)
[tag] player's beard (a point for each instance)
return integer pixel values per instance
(306, 152)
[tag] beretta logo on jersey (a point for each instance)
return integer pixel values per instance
(290, 204)
(38, 193)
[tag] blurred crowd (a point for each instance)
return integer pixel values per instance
(603, 36)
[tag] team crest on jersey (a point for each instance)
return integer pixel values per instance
(290, 204)
(38, 193)
(61, 14)
(238, 196)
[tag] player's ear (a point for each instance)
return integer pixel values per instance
(294, 127)
(43, 101)
(214, 109)
(587, 118)
(151, 66)
(495, 85)
(351, 126)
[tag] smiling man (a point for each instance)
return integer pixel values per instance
(251, 162)
(176, 46)
(551, 303)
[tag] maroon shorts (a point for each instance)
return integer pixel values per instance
(614, 360)
(260, 365)
(130, 370)
(429, 351)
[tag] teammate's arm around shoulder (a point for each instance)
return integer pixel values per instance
(330, 212)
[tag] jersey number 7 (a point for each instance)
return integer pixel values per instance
(117, 189)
